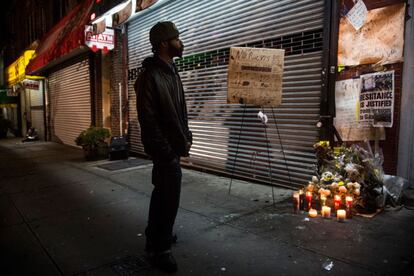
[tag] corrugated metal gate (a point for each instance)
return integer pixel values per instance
(70, 102)
(280, 154)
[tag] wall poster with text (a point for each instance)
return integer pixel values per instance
(377, 99)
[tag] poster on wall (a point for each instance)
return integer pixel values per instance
(377, 99)
(379, 39)
(255, 76)
(347, 94)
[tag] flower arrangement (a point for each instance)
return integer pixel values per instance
(348, 173)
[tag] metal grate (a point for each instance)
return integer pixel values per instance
(210, 29)
(130, 266)
(123, 164)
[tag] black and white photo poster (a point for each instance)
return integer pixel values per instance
(377, 99)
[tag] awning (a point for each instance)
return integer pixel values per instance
(63, 41)
(15, 72)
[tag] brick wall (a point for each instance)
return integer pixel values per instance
(116, 78)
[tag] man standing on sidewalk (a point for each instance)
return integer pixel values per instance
(162, 115)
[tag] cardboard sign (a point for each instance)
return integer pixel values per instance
(255, 76)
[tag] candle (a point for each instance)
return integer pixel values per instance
(301, 200)
(309, 199)
(326, 212)
(296, 200)
(337, 201)
(340, 215)
(349, 201)
(323, 200)
(313, 213)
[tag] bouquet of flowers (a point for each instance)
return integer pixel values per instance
(349, 172)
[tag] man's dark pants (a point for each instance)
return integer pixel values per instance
(166, 178)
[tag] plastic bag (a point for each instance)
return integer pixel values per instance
(394, 187)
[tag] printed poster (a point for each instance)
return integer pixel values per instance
(347, 94)
(377, 99)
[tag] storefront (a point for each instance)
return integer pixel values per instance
(8, 112)
(73, 77)
(230, 138)
(29, 90)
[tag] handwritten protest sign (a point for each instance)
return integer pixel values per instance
(255, 76)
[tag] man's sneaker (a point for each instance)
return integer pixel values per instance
(164, 261)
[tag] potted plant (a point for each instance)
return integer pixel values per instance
(93, 142)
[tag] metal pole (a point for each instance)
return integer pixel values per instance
(120, 109)
(237, 148)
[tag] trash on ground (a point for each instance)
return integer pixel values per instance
(328, 265)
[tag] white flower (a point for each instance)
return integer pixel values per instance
(357, 192)
(315, 179)
(357, 185)
(350, 185)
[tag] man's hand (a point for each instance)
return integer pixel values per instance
(187, 149)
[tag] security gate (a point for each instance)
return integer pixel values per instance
(229, 138)
(70, 102)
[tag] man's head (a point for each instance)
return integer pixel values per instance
(164, 39)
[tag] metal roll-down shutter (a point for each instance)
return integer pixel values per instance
(280, 154)
(70, 102)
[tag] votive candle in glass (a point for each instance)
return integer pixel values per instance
(349, 200)
(301, 200)
(341, 215)
(296, 200)
(309, 199)
(326, 212)
(323, 200)
(313, 213)
(337, 202)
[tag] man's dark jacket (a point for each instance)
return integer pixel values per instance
(162, 111)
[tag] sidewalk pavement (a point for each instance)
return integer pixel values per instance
(61, 215)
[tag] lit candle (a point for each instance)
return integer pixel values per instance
(296, 200)
(309, 199)
(301, 200)
(337, 201)
(349, 201)
(340, 215)
(323, 200)
(313, 213)
(326, 212)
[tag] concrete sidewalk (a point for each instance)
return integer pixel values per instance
(61, 215)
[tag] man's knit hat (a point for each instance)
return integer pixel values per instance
(163, 31)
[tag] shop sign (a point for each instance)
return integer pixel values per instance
(31, 84)
(143, 4)
(16, 71)
(104, 41)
